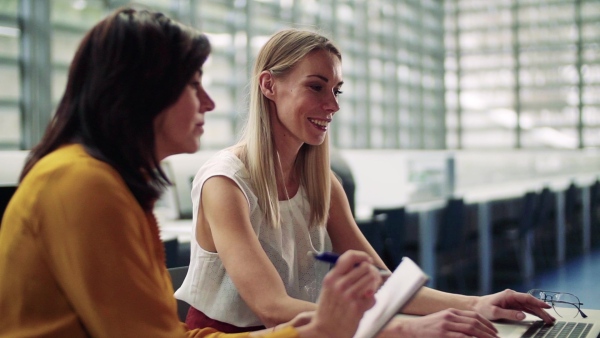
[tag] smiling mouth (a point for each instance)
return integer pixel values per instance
(321, 124)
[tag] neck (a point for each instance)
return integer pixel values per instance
(285, 169)
(287, 183)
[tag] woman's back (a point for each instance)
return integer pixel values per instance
(73, 243)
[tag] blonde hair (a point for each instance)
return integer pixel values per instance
(279, 55)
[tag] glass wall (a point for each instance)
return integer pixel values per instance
(392, 61)
(10, 123)
(37, 42)
(425, 74)
(523, 73)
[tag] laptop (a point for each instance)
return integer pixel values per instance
(528, 328)
(564, 327)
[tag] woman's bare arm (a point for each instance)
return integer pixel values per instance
(225, 211)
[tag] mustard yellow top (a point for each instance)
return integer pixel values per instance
(80, 258)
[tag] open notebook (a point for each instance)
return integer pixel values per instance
(399, 288)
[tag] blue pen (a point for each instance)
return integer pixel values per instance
(332, 257)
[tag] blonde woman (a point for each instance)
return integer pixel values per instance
(262, 204)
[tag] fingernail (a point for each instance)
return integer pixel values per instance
(520, 316)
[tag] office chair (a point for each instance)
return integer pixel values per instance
(372, 229)
(528, 242)
(513, 244)
(396, 242)
(171, 246)
(595, 213)
(343, 172)
(573, 221)
(455, 255)
(544, 228)
(6, 193)
(572, 203)
(177, 276)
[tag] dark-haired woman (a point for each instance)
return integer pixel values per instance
(80, 254)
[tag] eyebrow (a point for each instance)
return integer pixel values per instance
(325, 79)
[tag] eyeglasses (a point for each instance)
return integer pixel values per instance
(565, 304)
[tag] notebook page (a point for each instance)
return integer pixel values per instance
(399, 288)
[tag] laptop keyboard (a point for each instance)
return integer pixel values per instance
(558, 330)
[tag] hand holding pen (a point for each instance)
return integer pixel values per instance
(348, 291)
(332, 258)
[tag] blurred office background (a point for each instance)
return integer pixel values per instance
(474, 93)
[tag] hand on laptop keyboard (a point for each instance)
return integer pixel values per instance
(510, 305)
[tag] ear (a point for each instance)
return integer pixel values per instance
(266, 83)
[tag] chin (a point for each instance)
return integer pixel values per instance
(316, 142)
(190, 149)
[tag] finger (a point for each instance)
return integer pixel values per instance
(531, 305)
(477, 319)
(536, 307)
(527, 299)
(366, 281)
(337, 301)
(357, 280)
(471, 331)
(346, 273)
(500, 313)
(471, 328)
(541, 313)
(349, 260)
(302, 319)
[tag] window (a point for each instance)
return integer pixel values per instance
(10, 86)
(523, 74)
(389, 49)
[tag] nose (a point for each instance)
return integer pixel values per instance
(206, 102)
(331, 103)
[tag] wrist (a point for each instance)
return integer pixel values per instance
(398, 327)
(459, 302)
(471, 303)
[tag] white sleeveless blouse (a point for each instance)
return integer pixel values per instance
(208, 287)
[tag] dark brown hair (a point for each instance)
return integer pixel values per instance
(128, 68)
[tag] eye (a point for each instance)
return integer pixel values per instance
(195, 84)
(316, 88)
(337, 92)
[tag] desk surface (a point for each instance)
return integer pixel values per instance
(513, 189)
(365, 212)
